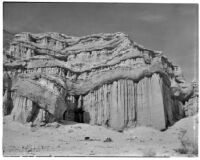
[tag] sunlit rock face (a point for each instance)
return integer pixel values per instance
(101, 79)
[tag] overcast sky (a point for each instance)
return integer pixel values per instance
(171, 28)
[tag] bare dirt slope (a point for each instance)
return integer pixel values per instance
(69, 139)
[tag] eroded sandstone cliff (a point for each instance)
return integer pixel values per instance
(101, 79)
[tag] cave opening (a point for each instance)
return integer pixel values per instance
(76, 112)
(79, 115)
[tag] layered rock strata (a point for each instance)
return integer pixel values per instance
(101, 79)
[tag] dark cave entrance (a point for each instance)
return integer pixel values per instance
(76, 112)
(79, 115)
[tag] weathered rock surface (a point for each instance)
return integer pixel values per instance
(191, 106)
(102, 79)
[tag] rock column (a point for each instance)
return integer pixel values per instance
(124, 103)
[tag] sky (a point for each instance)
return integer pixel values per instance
(170, 28)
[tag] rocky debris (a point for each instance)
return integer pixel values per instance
(91, 139)
(101, 79)
(87, 138)
(108, 139)
(53, 125)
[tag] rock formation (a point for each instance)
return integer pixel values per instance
(101, 79)
(191, 106)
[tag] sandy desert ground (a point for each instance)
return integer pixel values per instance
(78, 139)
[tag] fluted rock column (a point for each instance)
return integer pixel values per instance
(113, 109)
(124, 103)
(27, 111)
(23, 110)
(106, 105)
(157, 107)
(131, 103)
(150, 107)
(143, 102)
(120, 106)
(112, 105)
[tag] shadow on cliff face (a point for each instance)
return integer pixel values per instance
(7, 104)
(86, 117)
(75, 111)
(77, 115)
(7, 98)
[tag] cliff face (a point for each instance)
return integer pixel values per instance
(103, 79)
